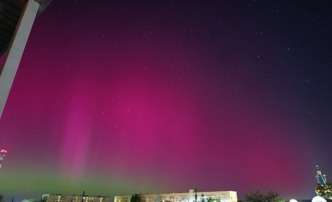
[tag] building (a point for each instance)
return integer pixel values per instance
(191, 196)
(73, 198)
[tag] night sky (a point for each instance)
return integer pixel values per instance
(116, 97)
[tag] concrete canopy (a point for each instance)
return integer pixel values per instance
(20, 3)
(10, 12)
(16, 20)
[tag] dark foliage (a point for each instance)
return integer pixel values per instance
(257, 196)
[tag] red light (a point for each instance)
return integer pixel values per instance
(3, 151)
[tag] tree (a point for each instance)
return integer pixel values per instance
(272, 196)
(254, 196)
(43, 199)
(202, 198)
(135, 198)
(257, 196)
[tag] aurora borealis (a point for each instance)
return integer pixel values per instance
(117, 97)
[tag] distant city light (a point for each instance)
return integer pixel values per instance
(3, 151)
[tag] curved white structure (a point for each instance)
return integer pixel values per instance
(318, 199)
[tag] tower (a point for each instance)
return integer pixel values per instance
(323, 188)
(16, 20)
(3, 153)
(321, 179)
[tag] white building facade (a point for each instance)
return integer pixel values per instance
(191, 196)
(73, 198)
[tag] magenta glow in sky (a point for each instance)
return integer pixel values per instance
(153, 97)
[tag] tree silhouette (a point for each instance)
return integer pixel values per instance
(135, 198)
(257, 196)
